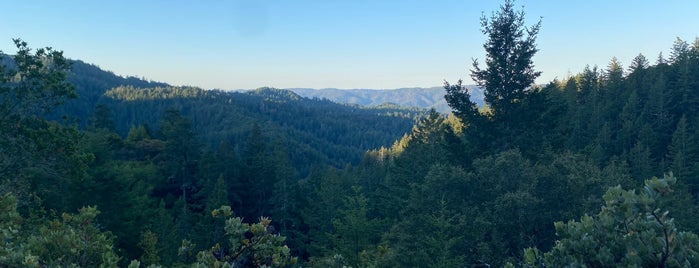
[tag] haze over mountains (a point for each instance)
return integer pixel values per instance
(432, 97)
(95, 81)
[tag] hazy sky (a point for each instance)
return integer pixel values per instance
(327, 43)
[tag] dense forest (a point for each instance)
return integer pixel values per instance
(596, 170)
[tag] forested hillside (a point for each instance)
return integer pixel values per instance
(149, 153)
(596, 170)
(90, 84)
(317, 132)
(321, 132)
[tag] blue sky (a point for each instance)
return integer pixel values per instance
(247, 44)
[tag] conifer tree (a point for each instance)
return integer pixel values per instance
(507, 76)
(355, 232)
(681, 152)
(509, 67)
(258, 176)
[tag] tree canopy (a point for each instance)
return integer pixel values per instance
(184, 177)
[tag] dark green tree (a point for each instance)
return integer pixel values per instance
(507, 78)
(426, 145)
(258, 176)
(459, 99)
(355, 232)
(73, 240)
(637, 76)
(682, 153)
(32, 84)
(102, 118)
(509, 67)
(149, 246)
(434, 230)
(179, 157)
(285, 198)
(325, 193)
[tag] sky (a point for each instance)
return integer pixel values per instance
(246, 44)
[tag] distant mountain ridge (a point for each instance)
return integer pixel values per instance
(91, 82)
(432, 97)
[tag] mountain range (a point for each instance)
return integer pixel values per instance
(432, 97)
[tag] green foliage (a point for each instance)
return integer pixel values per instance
(459, 99)
(35, 83)
(250, 245)
(441, 247)
(258, 175)
(681, 151)
(355, 233)
(149, 245)
(120, 188)
(72, 241)
(179, 157)
(631, 230)
(470, 189)
(321, 131)
(517, 114)
(31, 147)
(434, 214)
(325, 192)
(11, 250)
(509, 51)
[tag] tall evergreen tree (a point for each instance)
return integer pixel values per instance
(355, 232)
(612, 82)
(507, 76)
(509, 67)
(180, 156)
(258, 176)
(102, 118)
(682, 153)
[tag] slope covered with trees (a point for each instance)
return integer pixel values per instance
(330, 132)
(596, 170)
(155, 162)
(321, 132)
(475, 188)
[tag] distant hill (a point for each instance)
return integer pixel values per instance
(315, 131)
(91, 82)
(432, 97)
